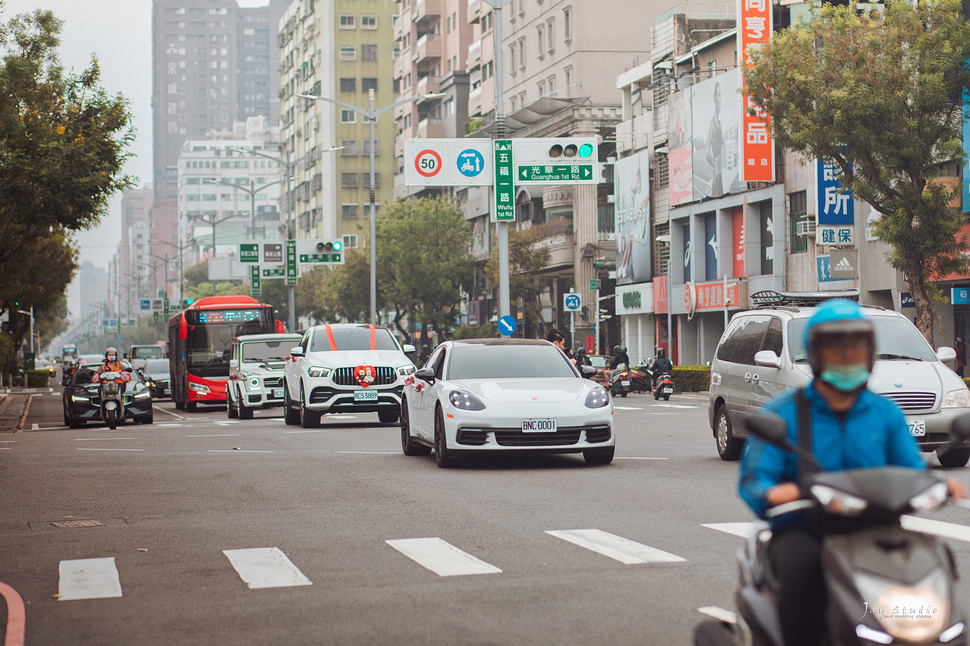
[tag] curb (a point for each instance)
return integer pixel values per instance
(23, 418)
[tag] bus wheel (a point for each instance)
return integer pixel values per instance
(179, 405)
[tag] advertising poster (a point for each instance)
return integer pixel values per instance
(631, 184)
(680, 142)
(737, 232)
(710, 246)
(716, 110)
(757, 147)
(685, 229)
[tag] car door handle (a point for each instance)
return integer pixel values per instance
(747, 377)
(755, 379)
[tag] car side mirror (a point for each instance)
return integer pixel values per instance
(946, 354)
(767, 359)
(297, 351)
(409, 349)
(588, 371)
(425, 374)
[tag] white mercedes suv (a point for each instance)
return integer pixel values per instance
(345, 368)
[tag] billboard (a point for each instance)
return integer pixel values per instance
(757, 147)
(631, 186)
(680, 142)
(834, 205)
(716, 113)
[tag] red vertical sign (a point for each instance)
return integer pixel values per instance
(757, 147)
(737, 237)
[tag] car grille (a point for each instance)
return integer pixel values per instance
(273, 382)
(345, 376)
(913, 402)
(321, 395)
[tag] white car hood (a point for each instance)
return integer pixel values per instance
(354, 358)
(515, 391)
(908, 376)
(251, 368)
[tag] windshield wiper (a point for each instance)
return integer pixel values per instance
(899, 357)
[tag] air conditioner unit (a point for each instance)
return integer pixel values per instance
(805, 228)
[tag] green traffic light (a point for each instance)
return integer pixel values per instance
(585, 150)
(337, 245)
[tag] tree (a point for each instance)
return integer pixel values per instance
(527, 259)
(62, 138)
(879, 94)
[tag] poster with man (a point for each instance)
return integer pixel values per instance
(680, 143)
(716, 110)
(631, 183)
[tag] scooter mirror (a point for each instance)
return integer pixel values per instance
(770, 428)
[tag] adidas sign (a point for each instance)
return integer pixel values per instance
(843, 265)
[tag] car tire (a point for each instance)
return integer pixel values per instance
(408, 445)
(291, 416)
(442, 457)
(72, 421)
(728, 446)
(67, 418)
(308, 418)
(954, 458)
(231, 411)
(191, 407)
(148, 419)
(595, 457)
(388, 416)
(244, 412)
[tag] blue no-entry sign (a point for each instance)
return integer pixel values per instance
(507, 325)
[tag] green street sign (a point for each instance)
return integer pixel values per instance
(249, 252)
(504, 182)
(254, 287)
(291, 266)
(276, 272)
(594, 283)
(165, 307)
(554, 173)
(155, 315)
(319, 257)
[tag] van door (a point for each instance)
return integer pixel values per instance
(766, 382)
(750, 374)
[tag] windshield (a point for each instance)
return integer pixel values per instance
(896, 340)
(508, 362)
(357, 337)
(152, 352)
(263, 351)
(156, 367)
(210, 334)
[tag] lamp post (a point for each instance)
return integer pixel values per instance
(211, 220)
(180, 247)
(288, 165)
(165, 260)
(251, 191)
(370, 114)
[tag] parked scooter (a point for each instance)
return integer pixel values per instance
(886, 584)
(111, 395)
(663, 387)
(640, 379)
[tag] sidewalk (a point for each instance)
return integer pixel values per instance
(13, 408)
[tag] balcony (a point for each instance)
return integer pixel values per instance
(425, 10)
(428, 85)
(474, 11)
(474, 56)
(427, 50)
(430, 128)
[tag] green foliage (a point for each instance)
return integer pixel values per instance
(879, 94)
(527, 259)
(8, 351)
(487, 331)
(197, 284)
(691, 379)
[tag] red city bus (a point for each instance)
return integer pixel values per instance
(199, 340)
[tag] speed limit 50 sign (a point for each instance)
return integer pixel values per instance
(448, 162)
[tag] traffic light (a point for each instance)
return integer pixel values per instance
(329, 246)
(560, 150)
(189, 301)
(602, 264)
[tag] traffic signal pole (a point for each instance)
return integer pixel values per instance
(502, 228)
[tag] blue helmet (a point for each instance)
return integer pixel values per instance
(837, 316)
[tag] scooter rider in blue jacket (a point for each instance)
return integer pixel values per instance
(852, 428)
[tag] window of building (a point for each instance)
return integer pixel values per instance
(348, 22)
(661, 175)
(348, 180)
(348, 211)
(512, 104)
(541, 86)
(522, 53)
(552, 85)
(348, 116)
(798, 214)
(368, 52)
(540, 32)
(567, 33)
(551, 34)
(366, 85)
(368, 22)
(348, 53)
(348, 85)
(365, 180)
(349, 147)
(365, 147)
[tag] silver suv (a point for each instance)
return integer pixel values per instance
(762, 352)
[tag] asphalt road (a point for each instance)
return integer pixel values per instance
(197, 512)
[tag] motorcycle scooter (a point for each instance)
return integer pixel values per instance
(664, 387)
(886, 584)
(620, 381)
(111, 398)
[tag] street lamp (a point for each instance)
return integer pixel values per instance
(370, 114)
(165, 260)
(288, 165)
(211, 220)
(251, 191)
(180, 247)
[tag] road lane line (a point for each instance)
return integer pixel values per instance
(735, 529)
(370, 452)
(88, 579)
(235, 451)
(441, 557)
(936, 527)
(100, 449)
(323, 430)
(100, 439)
(16, 616)
(673, 406)
(265, 567)
(626, 408)
(216, 435)
(168, 412)
(615, 547)
(633, 458)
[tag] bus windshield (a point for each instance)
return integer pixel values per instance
(210, 335)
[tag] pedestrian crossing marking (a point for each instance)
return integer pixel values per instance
(615, 547)
(737, 529)
(88, 579)
(265, 567)
(441, 557)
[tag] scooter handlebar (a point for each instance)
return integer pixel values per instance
(789, 507)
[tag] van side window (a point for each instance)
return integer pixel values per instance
(750, 341)
(728, 350)
(773, 338)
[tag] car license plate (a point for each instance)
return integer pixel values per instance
(625, 383)
(668, 390)
(538, 426)
(277, 393)
(917, 428)
(365, 395)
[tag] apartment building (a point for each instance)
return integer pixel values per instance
(341, 50)
(135, 249)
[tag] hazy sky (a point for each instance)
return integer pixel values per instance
(119, 33)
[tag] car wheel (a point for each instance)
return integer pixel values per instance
(244, 411)
(67, 419)
(308, 418)
(954, 458)
(191, 407)
(728, 446)
(148, 419)
(291, 415)
(442, 456)
(408, 445)
(72, 421)
(388, 416)
(231, 410)
(599, 456)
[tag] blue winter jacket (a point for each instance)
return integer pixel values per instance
(873, 433)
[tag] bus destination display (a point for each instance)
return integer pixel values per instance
(228, 316)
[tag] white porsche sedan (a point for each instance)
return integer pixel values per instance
(488, 396)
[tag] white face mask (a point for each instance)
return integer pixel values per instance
(112, 357)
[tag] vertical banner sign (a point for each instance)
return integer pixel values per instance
(835, 207)
(686, 233)
(737, 237)
(291, 262)
(254, 286)
(710, 246)
(767, 240)
(966, 149)
(504, 188)
(757, 147)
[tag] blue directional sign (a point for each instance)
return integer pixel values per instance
(470, 162)
(146, 305)
(507, 325)
(572, 302)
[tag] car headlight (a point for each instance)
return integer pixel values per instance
(465, 401)
(597, 398)
(79, 398)
(199, 388)
(929, 499)
(317, 371)
(254, 383)
(143, 395)
(911, 613)
(404, 371)
(957, 399)
(838, 502)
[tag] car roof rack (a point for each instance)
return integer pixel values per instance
(771, 298)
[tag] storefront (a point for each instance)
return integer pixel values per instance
(635, 304)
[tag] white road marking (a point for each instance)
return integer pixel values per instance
(615, 547)
(265, 567)
(225, 422)
(626, 408)
(719, 613)
(737, 529)
(371, 452)
(235, 451)
(100, 449)
(8, 441)
(216, 435)
(441, 557)
(170, 424)
(5, 448)
(633, 458)
(936, 527)
(35, 427)
(673, 406)
(320, 431)
(168, 412)
(88, 579)
(100, 439)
